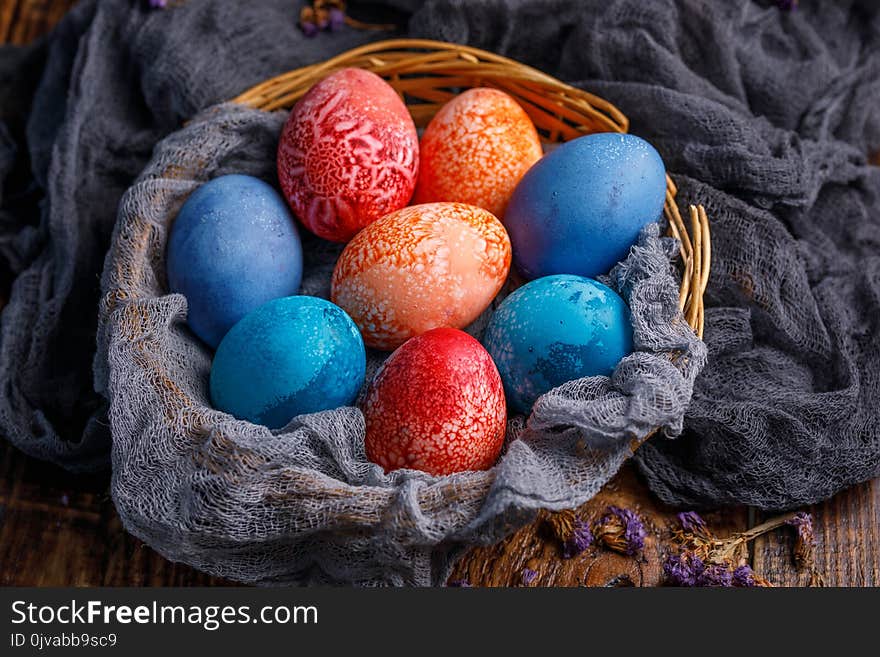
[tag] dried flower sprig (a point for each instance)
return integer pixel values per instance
(744, 577)
(687, 569)
(330, 15)
(709, 561)
(803, 544)
(804, 547)
(572, 533)
(581, 538)
(620, 530)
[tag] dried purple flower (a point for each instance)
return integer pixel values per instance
(687, 569)
(620, 530)
(581, 538)
(158, 4)
(715, 575)
(337, 19)
(805, 541)
(528, 576)
(308, 28)
(691, 521)
(679, 569)
(744, 576)
(460, 583)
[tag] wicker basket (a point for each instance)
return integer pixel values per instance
(427, 74)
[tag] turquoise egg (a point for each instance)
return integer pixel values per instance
(581, 207)
(288, 357)
(556, 329)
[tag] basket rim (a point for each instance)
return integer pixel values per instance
(251, 96)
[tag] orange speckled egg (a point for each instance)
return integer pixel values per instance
(436, 405)
(475, 150)
(422, 267)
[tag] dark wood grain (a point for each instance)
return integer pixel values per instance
(59, 529)
(847, 553)
(22, 21)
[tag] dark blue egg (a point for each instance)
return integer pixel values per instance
(288, 357)
(580, 208)
(233, 246)
(556, 329)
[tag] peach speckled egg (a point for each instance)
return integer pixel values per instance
(475, 150)
(437, 405)
(422, 267)
(348, 154)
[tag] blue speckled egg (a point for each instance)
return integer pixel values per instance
(580, 208)
(233, 246)
(288, 357)
(556, 329)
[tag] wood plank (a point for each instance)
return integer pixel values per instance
(22, 21)
(58, 529)
(8, 13)
(847, 552)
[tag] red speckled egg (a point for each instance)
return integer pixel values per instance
(348, 154)
(476, 149)
(422, 267)
(436, 405)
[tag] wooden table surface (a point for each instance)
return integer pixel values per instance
(60, 530)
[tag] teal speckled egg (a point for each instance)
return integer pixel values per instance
(556, 329)
(288, 357)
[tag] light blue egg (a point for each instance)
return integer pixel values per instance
(580, 208)
(288, 357)
(556, 329)
(233, 246)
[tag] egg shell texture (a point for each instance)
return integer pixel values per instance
(581, 207)
(553, 330)
(348, 154)
(422, 267)
(436, 405)
(475, 150)
(232, 247)
(288, 357)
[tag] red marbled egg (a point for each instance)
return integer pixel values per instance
(436, 405)
(348, 154)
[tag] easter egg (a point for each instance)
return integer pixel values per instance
(436, 405)
(475, 150)
(582, 206)
(233, 246)
(422, 267)
(288, 357)
(348, 154)
(556, 329)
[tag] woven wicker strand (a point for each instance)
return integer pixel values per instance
(426, 74)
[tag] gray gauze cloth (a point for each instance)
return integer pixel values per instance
(761, 115)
